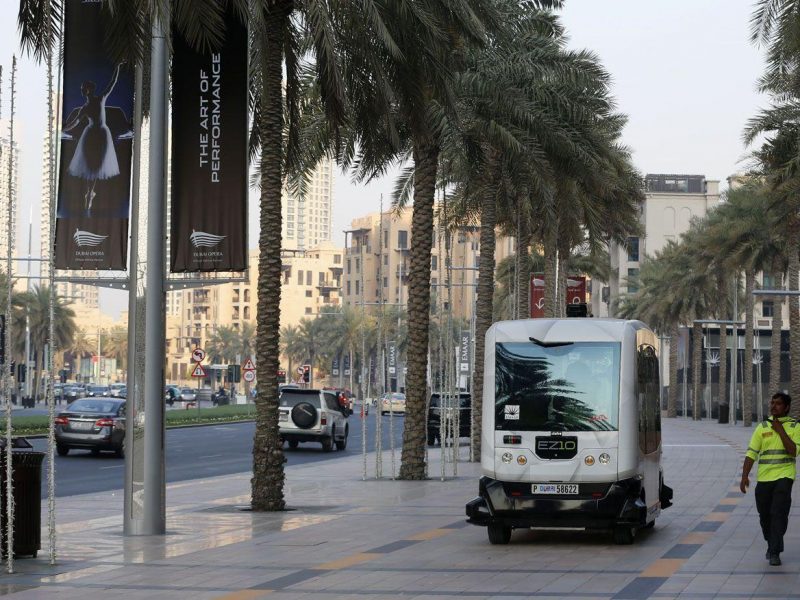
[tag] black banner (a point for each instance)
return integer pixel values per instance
(209, 155)
(96, 144)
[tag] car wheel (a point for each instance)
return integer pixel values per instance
(342, 444)
(327, 444)
(293, 444)
(623, 536)
(120, 451)
(62, 450)
(499, 534)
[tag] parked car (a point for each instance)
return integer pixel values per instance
(435, 410)
(312, 416)
(188, 394)
(97, 390)
(171, 394)
(94, 424)
(114, 388)
(394, 402)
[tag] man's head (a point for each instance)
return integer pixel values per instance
(780, 404)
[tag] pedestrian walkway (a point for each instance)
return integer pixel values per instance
(348, 538)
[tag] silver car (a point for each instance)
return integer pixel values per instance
(312, 416)
(94, 424)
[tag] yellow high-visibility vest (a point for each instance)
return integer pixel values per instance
(767, 448)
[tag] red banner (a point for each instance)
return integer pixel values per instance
(575, 292)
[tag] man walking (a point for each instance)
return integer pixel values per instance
(774, 445)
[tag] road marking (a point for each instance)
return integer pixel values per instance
(244, 595)
(112, 467)
(430, 535)
(663, 567)
(348, 561)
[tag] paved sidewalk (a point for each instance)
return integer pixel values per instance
(348, 538)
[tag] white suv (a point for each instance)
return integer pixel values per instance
(312, 416)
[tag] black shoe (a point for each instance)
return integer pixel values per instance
(768, 555)
(775, 560)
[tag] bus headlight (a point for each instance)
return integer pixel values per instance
(604, 459)
(589, 460)
(521, 460)
(507, 457)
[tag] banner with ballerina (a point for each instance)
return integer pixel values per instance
(96, 144)
(208, 215)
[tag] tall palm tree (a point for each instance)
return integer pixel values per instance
(222, 346)
(290, 347)
(115, 345)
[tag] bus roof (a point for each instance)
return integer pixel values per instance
(565, 330)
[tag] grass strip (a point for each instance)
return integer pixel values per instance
(37, 424)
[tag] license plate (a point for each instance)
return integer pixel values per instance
(560, 489)
(81, 425)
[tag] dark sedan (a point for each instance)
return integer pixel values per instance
(94, 424)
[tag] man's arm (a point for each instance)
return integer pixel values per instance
(788, 442)
(746, 467)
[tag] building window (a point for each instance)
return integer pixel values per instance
(385, 259)
(402, 240)
(768, 282)
(357, 290)
(337, 259)
(299, 277)
(633, 281)
(386, 282)
(322, 278)
(434, 263)
(358, 265)
(386, 239)
(633, 249)
(767, 308)
(247, 295)
(308, 277)
(348, 288)
(308, 310)
(308, 293)
(246, 313)
(348, 266)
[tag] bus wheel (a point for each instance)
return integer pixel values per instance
(498, 534)
(623, 536)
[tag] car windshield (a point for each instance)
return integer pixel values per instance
(291, 399)
(571, 387)
(94, 406)
(187, 391)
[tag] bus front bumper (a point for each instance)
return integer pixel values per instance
(506, 504)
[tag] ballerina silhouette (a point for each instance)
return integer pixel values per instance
(95, 157)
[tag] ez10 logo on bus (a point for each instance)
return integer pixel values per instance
(556, 447)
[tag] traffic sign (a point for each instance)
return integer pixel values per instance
(249, 376)
(198, 354)
(300, 370)
(198, 371)
(248, 365)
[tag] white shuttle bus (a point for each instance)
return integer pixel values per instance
(571, 428)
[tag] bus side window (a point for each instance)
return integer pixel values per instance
(648, 399)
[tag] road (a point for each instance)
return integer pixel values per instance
(197, 452)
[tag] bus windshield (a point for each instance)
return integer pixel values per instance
(566, 387)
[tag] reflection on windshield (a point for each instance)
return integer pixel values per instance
(565, 388)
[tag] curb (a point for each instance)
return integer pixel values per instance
(41, 436)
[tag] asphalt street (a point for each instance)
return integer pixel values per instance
(198, 452)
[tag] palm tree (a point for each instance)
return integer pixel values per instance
(115, 345)
(35, 304)
(222, 346)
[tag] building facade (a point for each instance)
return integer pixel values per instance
(671, 203)
(307, 218)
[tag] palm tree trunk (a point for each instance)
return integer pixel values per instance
(483, 314)
(775, 350)
(697, 368)
(426, 159)
(268, 475)
(672, 399)
(794, 324)
(523, 272)
(550, 270)
(747, 376)
(722, 394)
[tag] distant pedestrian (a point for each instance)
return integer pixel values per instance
(774, 445)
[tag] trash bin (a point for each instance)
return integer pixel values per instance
(723, 413)
(27, 483)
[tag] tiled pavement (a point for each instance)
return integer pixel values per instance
(348, 538)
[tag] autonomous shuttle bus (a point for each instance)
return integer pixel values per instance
(571, 428)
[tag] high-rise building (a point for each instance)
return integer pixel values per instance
(307, 218)
(5, 156)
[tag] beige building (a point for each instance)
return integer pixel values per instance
(377, 262)
(671, 202)
(311, 283)
(307, 218)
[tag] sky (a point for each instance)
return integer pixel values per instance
(684, 72)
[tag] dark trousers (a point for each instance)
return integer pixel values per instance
(773, 501)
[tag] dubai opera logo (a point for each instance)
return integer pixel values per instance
(201, 239)
(87, 238)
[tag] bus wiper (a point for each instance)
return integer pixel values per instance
(550, 344)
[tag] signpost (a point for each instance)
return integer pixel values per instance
(199, 371)
(249, 371)
(198, 354)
